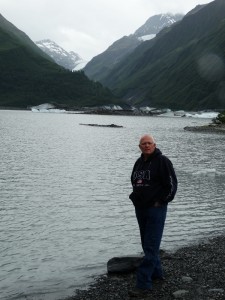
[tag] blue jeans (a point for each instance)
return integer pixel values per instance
(151, 224)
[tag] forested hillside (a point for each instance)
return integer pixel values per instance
(183, 67)
(29, 77)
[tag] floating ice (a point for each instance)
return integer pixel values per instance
(206, 115)
(47, 108)
(205, 172)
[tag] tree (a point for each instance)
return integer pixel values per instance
(220, 118)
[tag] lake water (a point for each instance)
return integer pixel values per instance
(64, 206)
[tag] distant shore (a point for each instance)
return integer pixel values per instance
(196, 272)
(210, 128)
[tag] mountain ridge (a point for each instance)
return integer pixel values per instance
(30, 77)
(164, 71)
(182, 67)
(69, 60)
(101, 65)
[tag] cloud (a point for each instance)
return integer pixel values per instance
(87, 27)
(70, 38)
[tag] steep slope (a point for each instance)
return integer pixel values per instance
(100, 66)
(68, 60)
(30, 77)
(182, 67)
(16, 37)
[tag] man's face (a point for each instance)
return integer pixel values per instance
(147, 145)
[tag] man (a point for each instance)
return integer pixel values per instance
(154, 185)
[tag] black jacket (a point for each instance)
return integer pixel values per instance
(153, 180)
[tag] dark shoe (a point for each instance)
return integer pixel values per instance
(139, 292)
(155, 278)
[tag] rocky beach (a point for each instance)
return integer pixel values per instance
(196, 272)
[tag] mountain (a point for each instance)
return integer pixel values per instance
(183, 67)
(155, 24)
(69, 60)
(29, 77)
(100, 66)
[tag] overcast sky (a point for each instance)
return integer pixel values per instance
(87, 27)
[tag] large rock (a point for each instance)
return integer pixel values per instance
(123, 264)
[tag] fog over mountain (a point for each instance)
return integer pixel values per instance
(103, 63)
(180, 68)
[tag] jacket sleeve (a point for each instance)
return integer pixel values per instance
(169, 179)
(134, 168)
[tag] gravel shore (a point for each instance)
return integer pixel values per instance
(196, 272)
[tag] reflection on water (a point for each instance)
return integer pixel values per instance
(64, 195)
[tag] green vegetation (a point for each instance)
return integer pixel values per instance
(177, 69)
(220, 118)
(29, 77)
(183, 67)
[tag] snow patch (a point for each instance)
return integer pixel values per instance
(47, 108)
(146, 37)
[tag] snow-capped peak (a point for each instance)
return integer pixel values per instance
(69, 60)
(154, 24)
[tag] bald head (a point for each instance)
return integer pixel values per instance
(147, 136)
(147, 145)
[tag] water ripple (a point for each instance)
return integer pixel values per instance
(64, 206)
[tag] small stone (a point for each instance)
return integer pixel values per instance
(186, 279)
(221, 291)
(180, 293)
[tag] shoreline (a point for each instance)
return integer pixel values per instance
(210, 128)
(195, 272)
